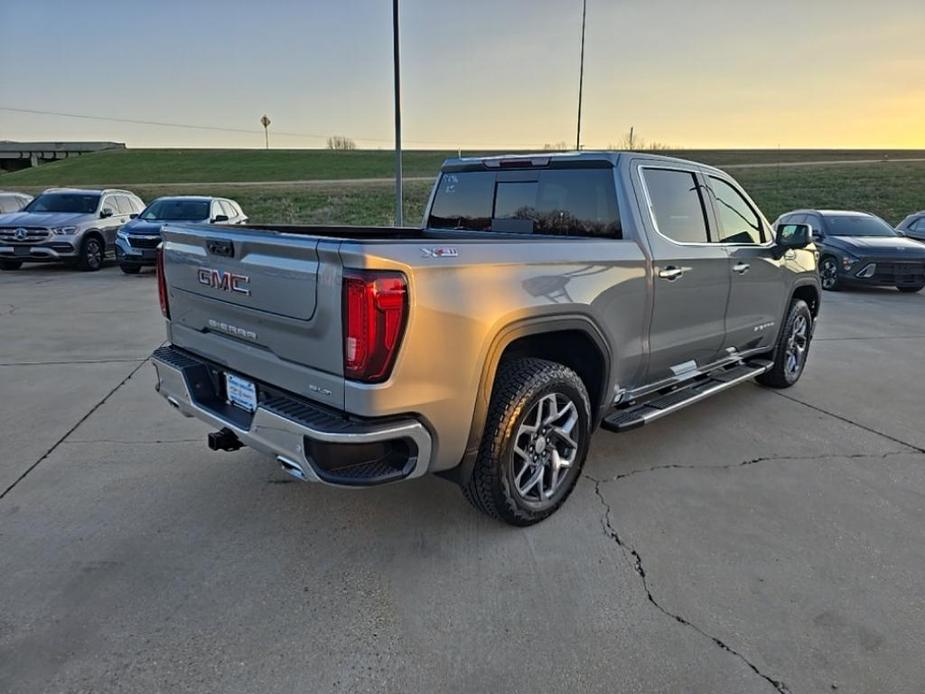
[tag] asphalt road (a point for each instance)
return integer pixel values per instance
(757, 542)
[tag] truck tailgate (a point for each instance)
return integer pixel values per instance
(253, 298)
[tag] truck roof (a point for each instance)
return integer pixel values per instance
(593, 157)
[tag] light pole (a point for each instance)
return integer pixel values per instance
(397, 71)
(581, 71)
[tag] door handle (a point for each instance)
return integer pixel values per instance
(671, 273)
(741, 268)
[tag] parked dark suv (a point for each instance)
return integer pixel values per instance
(137, 241)
(857, 248)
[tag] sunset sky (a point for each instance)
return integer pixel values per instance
(476, 74)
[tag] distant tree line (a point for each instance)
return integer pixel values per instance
(630, 141)
(339, 142)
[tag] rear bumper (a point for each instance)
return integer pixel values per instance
(313, 442)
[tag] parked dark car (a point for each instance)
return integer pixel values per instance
(913, 226)
(137, 241)
(13, 202)
(857, 248)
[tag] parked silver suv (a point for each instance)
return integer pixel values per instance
(66, 224)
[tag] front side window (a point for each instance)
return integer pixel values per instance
(857, 225)
(564, 202)
(918, 225)
(227, 209)
(78, 203)
(737, 221)
(677, 205)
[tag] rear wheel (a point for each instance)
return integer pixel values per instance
(534, 444)
(91, 254)
(828, 274)
(792, 348)
(10, 264)
(130, 268)
(911, 290)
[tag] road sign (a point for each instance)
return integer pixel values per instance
(265, 120)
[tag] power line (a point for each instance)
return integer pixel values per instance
(246, 131)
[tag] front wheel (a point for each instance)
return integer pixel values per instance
(911, 289)
(535, 442)
(792, 348)
(10, 264)
(828, 274)
(91, 254)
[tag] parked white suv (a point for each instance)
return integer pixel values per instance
(66, 224)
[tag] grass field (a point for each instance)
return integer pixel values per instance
(139, 166)
(891, 190)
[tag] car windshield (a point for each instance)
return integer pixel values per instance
(85, 203)
(174, 210)
(857, 225)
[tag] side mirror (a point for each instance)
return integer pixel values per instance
(219, 218)
(900, 232)
(790, 236)
(106, 212)
(134, 215)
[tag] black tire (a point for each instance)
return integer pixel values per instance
(130, 268)
(92, 254)
(828, 273)
(783, 374)
(522, 386)
(912, 290)
(10, 264)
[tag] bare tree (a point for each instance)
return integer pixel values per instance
(340, 142)
(559, 146)
(633, 143)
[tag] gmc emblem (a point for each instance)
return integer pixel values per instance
(224, 281)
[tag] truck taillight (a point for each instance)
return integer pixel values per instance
(375, 313)
(161, 281)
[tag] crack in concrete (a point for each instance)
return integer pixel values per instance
(639, 568)
(751, 461)
(130, 443)
(71, 363)
(636, 559)
(71, 430)
(842, 418)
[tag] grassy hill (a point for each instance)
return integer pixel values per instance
(152, 166)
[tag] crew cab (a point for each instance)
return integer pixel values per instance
(544, 296)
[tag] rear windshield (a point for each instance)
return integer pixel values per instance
(565, 202)
(64, 202)
(857, 225)
(176, 210)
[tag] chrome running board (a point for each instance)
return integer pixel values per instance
(665, 403)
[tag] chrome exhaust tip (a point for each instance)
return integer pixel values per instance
(292, 468)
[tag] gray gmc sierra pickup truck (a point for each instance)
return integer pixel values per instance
(544, 296)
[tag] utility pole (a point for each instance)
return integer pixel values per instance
(265, 122)
(581, 71)
(396, 67)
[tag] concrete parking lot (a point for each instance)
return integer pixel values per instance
(756, 542)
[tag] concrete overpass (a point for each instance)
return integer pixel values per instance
(22, 155)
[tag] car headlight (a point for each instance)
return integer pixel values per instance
(122, 235)
(848, 262)
(64, 231)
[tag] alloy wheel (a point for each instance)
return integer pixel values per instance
(94, 254)
(829, 273)
(797, 342)
(545, 447)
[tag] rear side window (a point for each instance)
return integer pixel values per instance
(565, 202)
(918, 225)
(677, 205)
(737, 221)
